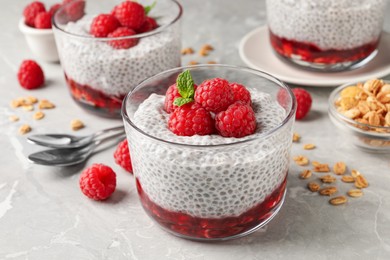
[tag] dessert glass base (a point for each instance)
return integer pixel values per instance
(312, 57)
(209, 229)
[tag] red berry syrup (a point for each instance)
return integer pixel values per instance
(212, 228)
(309, 52)
(94, 100)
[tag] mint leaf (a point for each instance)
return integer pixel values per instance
(182, 101)
(185, 84)
(149, 8)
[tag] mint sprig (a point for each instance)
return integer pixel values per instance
(185, 86)
(149, 8)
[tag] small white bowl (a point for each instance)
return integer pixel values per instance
(40, 41)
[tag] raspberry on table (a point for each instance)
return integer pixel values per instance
(123, 43)
(30, 75)
(149, 25)
(191, 119)
(74, 9)
(304, 102)
(215, 95)
(31, 11)
(240, 93)
(122, 156)
(130, 14)
(54, 8)
(237, 121)
(98, 182)
(43, 20)
(103, 24)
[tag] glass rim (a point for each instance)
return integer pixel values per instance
(348, 121)
(57, 28)
(282, 85)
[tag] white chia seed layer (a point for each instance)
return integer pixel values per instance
(114, 72)
(329, 24)
(209, 182)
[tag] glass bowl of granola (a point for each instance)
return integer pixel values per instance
(362, 111)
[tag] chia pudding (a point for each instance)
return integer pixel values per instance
(99, 75)
(335, 33)
(210, 187)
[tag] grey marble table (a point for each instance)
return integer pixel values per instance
(43, 214)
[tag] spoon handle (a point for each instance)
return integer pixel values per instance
(104, 131)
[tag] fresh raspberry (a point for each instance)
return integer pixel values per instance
(54, 8)
(30, 75)
(303, 102)
(215, 95)
(98, 182)
(122, 156)
(149, 25)
(31, 11)
(130, 14)
(43, 20)
(74, 9)
(191, 119)
(240, 93)
(123, 43)
(103, 24)
(170, 96)
(237, 121)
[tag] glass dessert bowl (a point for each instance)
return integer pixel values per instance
(362, 112)
(326, 35)
(209, 187)
(99, 73)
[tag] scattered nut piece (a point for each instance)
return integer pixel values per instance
(13, 118)
(305, 174)
(38, 115)
(355, 193)
(24, 129)
(309, 146)
(338, 200)
(327, 179)
(211, 62)
(193, 62)
(348, 179)
(296, 137)
(204, 51)
(45, 104)
(28, 108)
(16, 103)
(314, 187)
(361, 182)
(32, 100)
(355, 173)
(301, 160)
(186, 51)
(321, 167)
(327, 191)
(76, 124)
(339, 168)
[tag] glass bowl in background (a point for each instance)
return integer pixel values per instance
(326, 35)
(98, 75)
(210, 187)
(365, 136)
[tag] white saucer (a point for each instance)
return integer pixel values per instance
(256, 51)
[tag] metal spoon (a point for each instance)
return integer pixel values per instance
(70, 156)
(69, 141)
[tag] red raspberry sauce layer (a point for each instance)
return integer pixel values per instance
(95, 99)
(309, 52)
(209, 228)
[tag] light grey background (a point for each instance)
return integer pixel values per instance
(43, 214)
